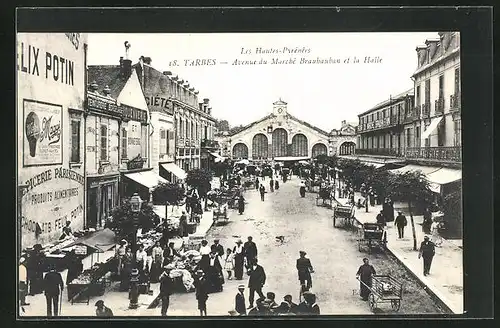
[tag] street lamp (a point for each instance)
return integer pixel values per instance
(135, 206)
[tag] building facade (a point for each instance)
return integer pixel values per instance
(381, 129)
(50, 106)
(437, 101)
(282, 136)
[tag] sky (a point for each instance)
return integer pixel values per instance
(321, 94)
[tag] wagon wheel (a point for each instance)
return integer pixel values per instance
(396, 304)
(372, 302)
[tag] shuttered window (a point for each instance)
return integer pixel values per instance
(104, 142)
(163, 142)
(75, 141)
(124, 143)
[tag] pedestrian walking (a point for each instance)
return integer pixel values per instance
(304, 269)
(183, 229)
(390, 209)
(302, 189)
(271, 184)
(427, 252)
(141, 259)
(276, 184)
(23, 281)
(256, 282)
(201, 292)
(241, 204)
(239, 255)
(381, 218)
(205, 255)
(102, 310)
(120, 253)
(257, 182)
(239, 301)
(436, 237)
(35, 267)
(166, 289)
(127, 266)
(213, 274)
(401, 223)
(250, 251)
(157, 255)
(262, 191)
(426, 225)
(229, 263)
(217, 248)
(53, 286)
(365, 274)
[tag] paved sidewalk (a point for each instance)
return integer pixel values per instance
(446, 278)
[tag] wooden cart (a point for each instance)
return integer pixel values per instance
(324, 197)
(372, 235)
(343, 213)
(385, 289)
(220, 214)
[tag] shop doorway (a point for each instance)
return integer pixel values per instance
(92, 208)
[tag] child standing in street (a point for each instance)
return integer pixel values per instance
(229, 263)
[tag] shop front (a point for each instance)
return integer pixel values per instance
(50, 97)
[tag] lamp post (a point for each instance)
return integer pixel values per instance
(135, 205)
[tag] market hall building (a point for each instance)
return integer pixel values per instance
(281, 136)
(50, 106)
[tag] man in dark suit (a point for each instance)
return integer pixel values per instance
(250, 250)
(427, 252)
(217, 248)
(240, 301)
(293, 306)
(53, 286)
(304, 268)
(256, 282)
(166, 286)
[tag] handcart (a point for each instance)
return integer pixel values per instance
(345, 213)
(372, 235)
(385, 289)
(324, 197)
(220, 214)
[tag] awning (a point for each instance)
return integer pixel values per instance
(412, 168)
(218, 158)
(148, 179)
(434, 123)
(243, 161)
(175, 170)
(101, 241)
(376, 165)
(444, 176)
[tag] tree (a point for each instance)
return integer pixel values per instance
(168, 194)
(222, 125)
(413, 188)
(199, 179)
(123, 220)
(452, 207)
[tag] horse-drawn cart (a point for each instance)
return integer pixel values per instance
(372, 235)
(344, 213)
(385, 289)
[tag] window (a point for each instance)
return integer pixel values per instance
(163, 142)
(457, 80)
(197, 131)
(458, 133)
(427, 91)
(124, 142)
(75, 141)
(170, 137)
(186, 129)
(441, 131)
(408, 138)
(418, 95)
(181, 124)
(441, 86)
(417, 136)
(192, 130)
(206, 131)
(104, 142)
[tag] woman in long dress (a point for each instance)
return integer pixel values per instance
(214, 273)
(365, 274)
(238, 260)
(241, 204)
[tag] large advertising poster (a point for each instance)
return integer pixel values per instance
(42, 142)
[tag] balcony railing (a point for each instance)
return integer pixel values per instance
(449, 154)
(379, 151)
(439, 105)
(426, 110)
(207, 143)
(386, 122)
(455, 102)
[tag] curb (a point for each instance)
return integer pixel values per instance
(429, 291)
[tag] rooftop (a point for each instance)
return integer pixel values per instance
(107, 75)
(389, 101)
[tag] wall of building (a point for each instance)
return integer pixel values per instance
(94, 163)
(51, 90)
(161, 121)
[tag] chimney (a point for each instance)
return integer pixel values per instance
(432, 45)
(201, 106)
(93, 87)
(121, 63)
(167, 73)
(209, 111)
(126, 64)
(106, 91)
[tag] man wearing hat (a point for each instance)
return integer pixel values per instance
(289, 300)
(304, 307)
(201, 292)
(102, 310)
(239, 254)
(53, 287)
(216, 247)
(304, 269)
(166, 286)
(427, 251)
(401, 223)
(364, 274)
(240, 306)
(256, 282)
(250, 251)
